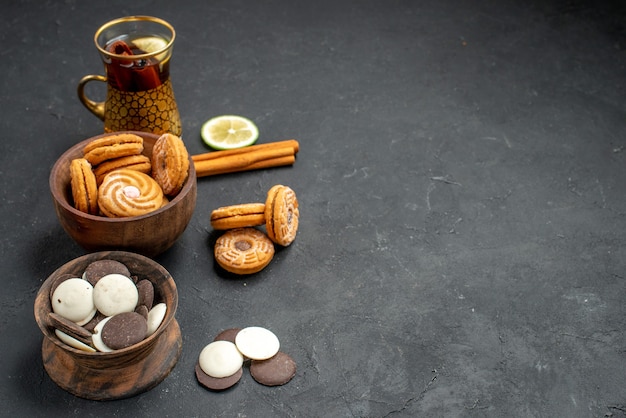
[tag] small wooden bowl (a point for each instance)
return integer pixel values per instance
(120, 373)
(149, 234)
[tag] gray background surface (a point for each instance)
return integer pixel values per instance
(461, 250)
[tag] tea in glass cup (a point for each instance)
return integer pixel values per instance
(136, 52)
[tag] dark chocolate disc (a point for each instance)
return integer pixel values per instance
(227, 335)
(124, 330)
(145, 289)
(217, 383)
(101, 268)
(142, 310)
(274, 371)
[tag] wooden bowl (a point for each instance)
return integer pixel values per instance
(120, 373)
(149, 234)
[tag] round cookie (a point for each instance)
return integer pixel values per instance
(73, 300)
(84, 186)
(143, 311)
(73, 342)
(124, 330)
(155, 317)
(115, 294)
(281, 215)
(96, 338)
(275, 371)
(145, 288)
(243, 251)
(220, 359)
(257, 343)
(238, 216)
(138, 162)
(60, 279)
(91, 325)
(227, 335)
(217, 383)
(100, 268)
(112, 146)
(69, 327)
(127, 192)
(170, 163)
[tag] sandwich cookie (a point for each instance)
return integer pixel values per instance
(170, 163)
(84, 186)
(112, 146)
(138, 162)
(238, 216)
(281, 215)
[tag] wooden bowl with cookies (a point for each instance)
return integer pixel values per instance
(76, 353)
(105, 192)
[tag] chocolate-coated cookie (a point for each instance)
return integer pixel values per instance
(227, 335)
(124, 330)
(100, 268)
(217, 383)
(274, 371)
(145, 288)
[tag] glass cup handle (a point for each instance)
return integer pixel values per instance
(97, 108)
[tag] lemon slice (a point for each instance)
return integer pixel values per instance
(229, 132)
(150, 44)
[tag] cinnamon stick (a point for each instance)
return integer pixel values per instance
(203, 170)
(254, 157)
(252, 148)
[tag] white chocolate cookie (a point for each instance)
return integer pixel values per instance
(257, 343)
(155, 317)
(220, 359)
(73, 300)
(115, 293)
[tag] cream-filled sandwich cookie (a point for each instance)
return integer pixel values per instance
(113, 146)
(282, 214)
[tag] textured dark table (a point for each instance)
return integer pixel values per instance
(462, 246)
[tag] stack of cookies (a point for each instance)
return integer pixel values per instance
(244, 249)
(114, 178)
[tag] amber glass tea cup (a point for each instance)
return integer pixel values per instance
(136, 52)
